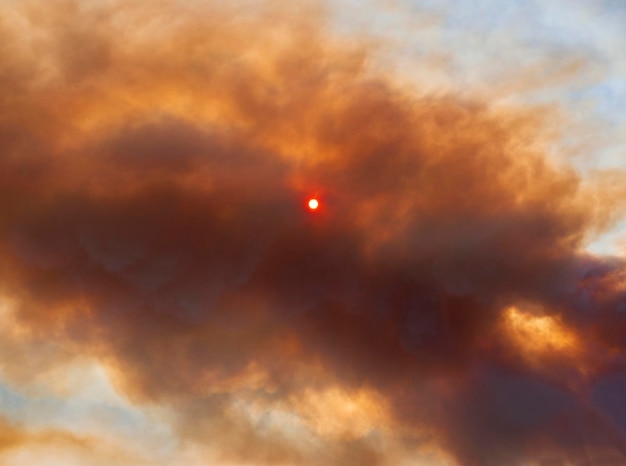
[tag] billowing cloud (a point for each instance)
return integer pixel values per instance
(155, 166)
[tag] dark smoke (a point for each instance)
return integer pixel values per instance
(153, 178)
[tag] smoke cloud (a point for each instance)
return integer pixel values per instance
(155, 163)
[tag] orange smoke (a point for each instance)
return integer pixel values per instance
(539, 334)
(541, 337)
(153, 163)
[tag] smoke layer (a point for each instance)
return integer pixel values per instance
(155, 163)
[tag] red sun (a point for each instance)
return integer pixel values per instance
(313, 204)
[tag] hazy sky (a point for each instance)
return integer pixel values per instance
(167, 298)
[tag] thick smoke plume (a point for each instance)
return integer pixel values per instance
(155, 162)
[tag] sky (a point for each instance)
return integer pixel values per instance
(167, 298)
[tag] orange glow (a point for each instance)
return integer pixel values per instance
(313, 204)
(538, 336)
(340, 413)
